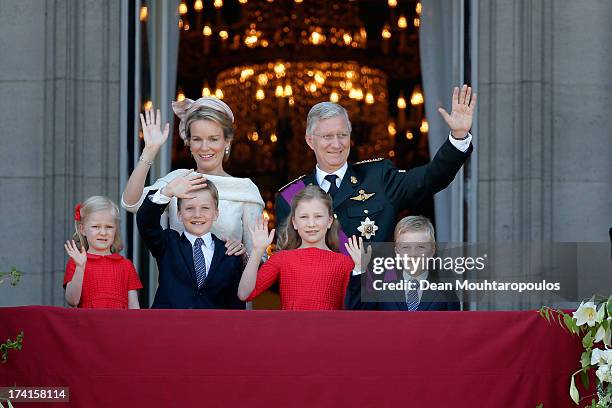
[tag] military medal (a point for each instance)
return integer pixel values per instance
(362, 196)
(367, 228)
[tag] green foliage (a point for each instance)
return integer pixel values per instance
(10, 345)
(606, 400)
(593, 315)
(584, 377)
(574, 394)
(9, 405)
(587, 341)
(14, 275)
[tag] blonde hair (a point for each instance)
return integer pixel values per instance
(288, 237)
(415, 223)
(91, 205)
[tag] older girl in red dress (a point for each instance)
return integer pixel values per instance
(312, 275)
(96, 275)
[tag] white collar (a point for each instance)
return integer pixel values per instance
(340, 173)
(422, 276)
(208, 241)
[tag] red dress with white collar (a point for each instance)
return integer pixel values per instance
(106, 281)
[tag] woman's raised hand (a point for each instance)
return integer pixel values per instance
(183, 186)
(260, 235)
(79, 257)
(153, 135)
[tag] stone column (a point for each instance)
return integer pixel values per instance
(545, 123)
(59, 106)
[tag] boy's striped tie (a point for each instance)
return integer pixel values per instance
(199, 261)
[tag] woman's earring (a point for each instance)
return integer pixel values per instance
(227, 150)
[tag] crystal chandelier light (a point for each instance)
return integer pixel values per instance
(273, 60)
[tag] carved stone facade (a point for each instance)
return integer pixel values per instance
(59, 108)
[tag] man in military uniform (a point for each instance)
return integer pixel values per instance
(368, 195)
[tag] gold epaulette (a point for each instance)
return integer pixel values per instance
(291, 182)
(370, 160)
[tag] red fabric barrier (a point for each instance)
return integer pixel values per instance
(155, 358)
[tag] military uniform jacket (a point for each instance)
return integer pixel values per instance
(373, 192)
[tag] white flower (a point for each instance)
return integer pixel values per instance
(597, 357)
(601, 332)
(604, 373)
(585, 314)
(601, 313)
(603, 335)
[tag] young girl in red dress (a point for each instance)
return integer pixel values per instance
(312, 275)
(96, 275)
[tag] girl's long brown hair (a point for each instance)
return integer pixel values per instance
(288, 237)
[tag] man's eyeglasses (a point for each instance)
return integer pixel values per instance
(342, 136)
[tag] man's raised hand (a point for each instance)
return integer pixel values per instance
(463, 105)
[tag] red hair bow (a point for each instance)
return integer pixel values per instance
(77, 212)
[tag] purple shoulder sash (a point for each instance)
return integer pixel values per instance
(290, 192)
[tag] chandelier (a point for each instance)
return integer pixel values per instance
(271, 61)
(276, 98)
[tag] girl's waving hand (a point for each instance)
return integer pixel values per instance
(79, 257)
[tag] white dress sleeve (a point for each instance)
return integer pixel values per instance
(158, 185)
(251, 211)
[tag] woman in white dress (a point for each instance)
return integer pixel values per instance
(207, 128)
